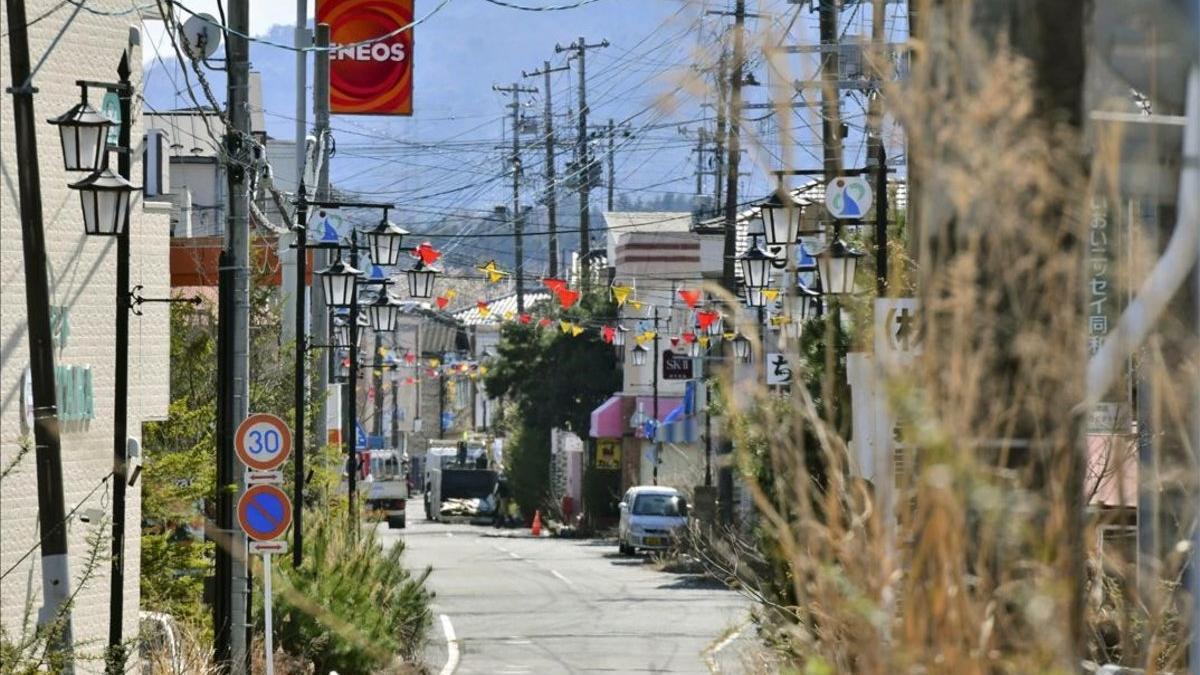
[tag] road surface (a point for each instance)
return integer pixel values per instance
(516, 605)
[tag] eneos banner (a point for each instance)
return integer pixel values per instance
(369, 74)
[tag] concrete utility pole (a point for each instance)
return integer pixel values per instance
(734, 145)
(583, 170)
(721, 136)
(233, 350)
(287, 255)
(518, 216)
(320, 312)
(611, 164)
(548, 138)
(56, 567)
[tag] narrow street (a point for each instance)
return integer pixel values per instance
(521, 605)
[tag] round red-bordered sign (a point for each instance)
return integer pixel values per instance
(263, 441)
(264, 512)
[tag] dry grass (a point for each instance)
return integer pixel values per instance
(982, 559)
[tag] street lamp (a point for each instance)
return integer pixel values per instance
(755, 297)
(780, 216)
(84, 133)
(382, 313)
(741, 348)
(619, 336)
(695, 349)
(104, 195)
(339, 281)
(341, 333)
(807, 303)
(639, 355)
(420, 280)
(837, 265)
(385, 241)
(756, 267)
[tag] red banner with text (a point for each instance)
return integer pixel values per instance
(370, 65)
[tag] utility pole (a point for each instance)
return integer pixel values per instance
(233, 348)
(293, 305)
(548, 138)
(831, 117)
(657, 420)
(611, 164)
(734, 144)
(518, 217)
(721, 135)
(320, 312)
(876, 152)
(584, 168)
(56, 568)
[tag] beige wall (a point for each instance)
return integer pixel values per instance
(82, 277)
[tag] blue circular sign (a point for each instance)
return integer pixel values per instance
(264, 512)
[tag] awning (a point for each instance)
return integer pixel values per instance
(607, 420)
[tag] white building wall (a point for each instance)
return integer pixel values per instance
(82, 273)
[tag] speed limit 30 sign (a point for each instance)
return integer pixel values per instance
(263, 442)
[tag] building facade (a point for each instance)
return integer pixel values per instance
(82, 276)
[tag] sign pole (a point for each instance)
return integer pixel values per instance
(270, 647)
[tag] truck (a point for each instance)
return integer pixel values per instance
(460, 493)
(387, 486)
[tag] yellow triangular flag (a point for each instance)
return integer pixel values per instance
(637, 304)
(770, 293)
(576, 330)
(492, 271)
(729, 335)
(433, 363)
(703, 340)
(451, 294)
(508, 316)
(621, 294)
(564, 326)
(483, 370)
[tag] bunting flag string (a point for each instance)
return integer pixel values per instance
(621, 294)
(690, 297)
(426, 253)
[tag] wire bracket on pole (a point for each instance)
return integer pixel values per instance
(136, 300)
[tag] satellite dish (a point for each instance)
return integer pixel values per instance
(201, 36)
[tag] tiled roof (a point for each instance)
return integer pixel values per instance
(498, 308)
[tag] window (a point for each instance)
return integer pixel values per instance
(660, 505)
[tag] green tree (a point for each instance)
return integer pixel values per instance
(553, 380)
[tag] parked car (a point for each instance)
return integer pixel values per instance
(651, 518)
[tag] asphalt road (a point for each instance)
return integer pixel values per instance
(510, 605)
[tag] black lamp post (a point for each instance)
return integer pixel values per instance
(84, 132)
(756, 267)
(639, 355)
(837, 265)
(420, 280)
(780, 216)
(385, 242)
(382, 312)
(105, 198)
(741, 348)
(339, 281)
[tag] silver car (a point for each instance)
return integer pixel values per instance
(651, 518)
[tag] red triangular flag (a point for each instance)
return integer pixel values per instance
(442, 301)
(689, 337)
(674, 341)
(690, 297)
(555, 285)
(525, 318)
(543, 322)
(410, 357)
(567, 297)
(408, 380)
(427, 253)
(608, 333)
(706, 318)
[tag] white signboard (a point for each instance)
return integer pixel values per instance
(779, 371)
(848, 197)
(898, 336)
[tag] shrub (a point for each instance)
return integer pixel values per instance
(352, 606)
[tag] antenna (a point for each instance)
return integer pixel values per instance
(201, 36)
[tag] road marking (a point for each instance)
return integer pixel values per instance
(451, 647)
(518, 641)
(710, 653)
(514, 555)
(564, 579)
(449, 534)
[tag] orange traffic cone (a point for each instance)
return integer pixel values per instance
(537, 524)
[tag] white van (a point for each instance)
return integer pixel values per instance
(651, 518)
